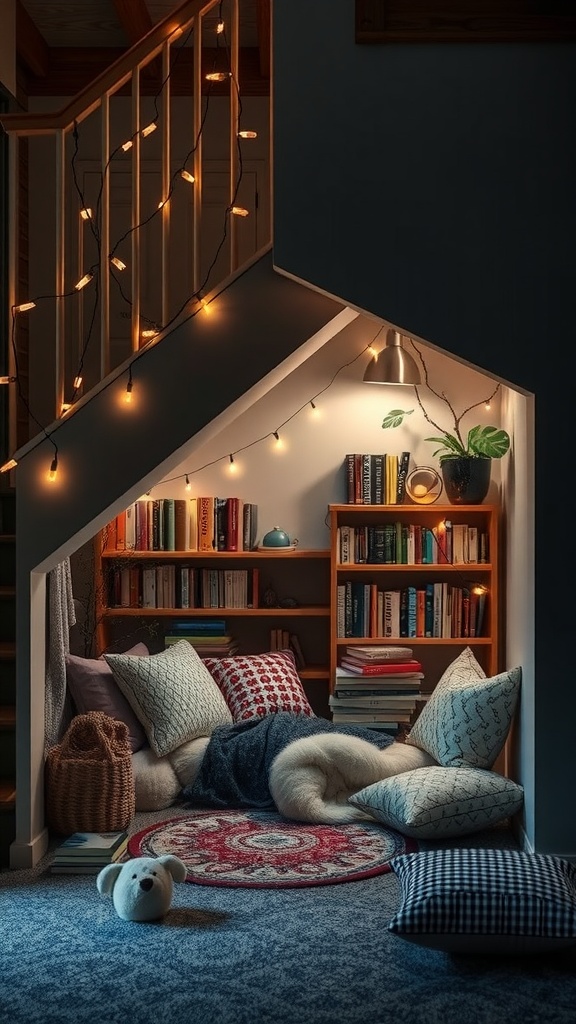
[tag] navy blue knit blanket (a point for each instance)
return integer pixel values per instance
(234, 769)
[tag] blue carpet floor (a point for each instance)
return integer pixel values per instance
(320, 955)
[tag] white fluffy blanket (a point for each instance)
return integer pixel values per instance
(310, 779)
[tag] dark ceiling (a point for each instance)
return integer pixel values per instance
(63, 44)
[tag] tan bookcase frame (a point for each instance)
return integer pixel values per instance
(434, 652)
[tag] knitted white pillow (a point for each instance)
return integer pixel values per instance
(173, 695)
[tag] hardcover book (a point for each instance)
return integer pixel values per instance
(377, 652)
(385, 668)
(402, 474)
(206, 523)
(234, 524)
(80, 844)
(181, 533)
(169, 524)
(192, 626)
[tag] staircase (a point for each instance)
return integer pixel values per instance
(7, 673)
(195, 264)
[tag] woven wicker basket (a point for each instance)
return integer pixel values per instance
(89, 780)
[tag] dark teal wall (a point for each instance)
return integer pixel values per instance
(435, 186)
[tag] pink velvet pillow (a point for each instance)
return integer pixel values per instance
(93, 688)
(260, 684)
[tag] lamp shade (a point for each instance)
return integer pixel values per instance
(393, 365)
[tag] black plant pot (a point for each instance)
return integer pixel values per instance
(466, 481)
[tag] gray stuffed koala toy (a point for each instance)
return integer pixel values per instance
(142, 887)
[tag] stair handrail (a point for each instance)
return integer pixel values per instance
(60, 124)
(109, 80)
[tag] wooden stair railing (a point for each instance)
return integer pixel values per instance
(81, 328)
(177, 247)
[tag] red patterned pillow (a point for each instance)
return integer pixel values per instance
(259, 684)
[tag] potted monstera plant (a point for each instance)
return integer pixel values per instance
(465, 461)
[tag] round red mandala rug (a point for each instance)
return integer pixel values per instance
(262, 850)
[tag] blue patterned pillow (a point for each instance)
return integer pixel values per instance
(467, 719)
(485, 901)
(436, 802)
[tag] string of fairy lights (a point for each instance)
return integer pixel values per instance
(151, 333)
(91, 215)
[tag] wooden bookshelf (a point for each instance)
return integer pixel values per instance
(435, 652)
(302, 575)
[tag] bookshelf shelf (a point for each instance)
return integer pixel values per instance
(219, 556)
(355, 548)
(301, 575)
(220, 612)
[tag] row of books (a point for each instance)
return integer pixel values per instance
(211, 640)
(202, 523)
(283, 640)
(88, 852)
(182, 586)
(379, 687)
(412, 544)
(376, 479)
(436, 609)
(227, 645)
(209, 637)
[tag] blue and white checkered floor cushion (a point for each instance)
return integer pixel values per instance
(485, 901)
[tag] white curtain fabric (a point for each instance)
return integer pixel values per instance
(61, 617)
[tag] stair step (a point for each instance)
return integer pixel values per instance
(7, 795)
(7, 716)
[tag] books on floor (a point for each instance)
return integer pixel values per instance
(88, 852)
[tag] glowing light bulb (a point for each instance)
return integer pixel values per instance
(248, 135)
(239, 211)
(128, 392)
(219, 28)
(53, 469)
(187, 176)
(205, 306)
(7, 380)
(188, 486)
(149, 129)
(83, 281)
(232, 466)
(65, 407)
(118, 263)
(127, 145)
(150, 332)
(24, 307)
(11, 464)
(486, 405)
(77, 383)
(86, 213)
(217, 76)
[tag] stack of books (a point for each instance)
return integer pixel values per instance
(378, 687)
(208, 637)
(86, 853)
